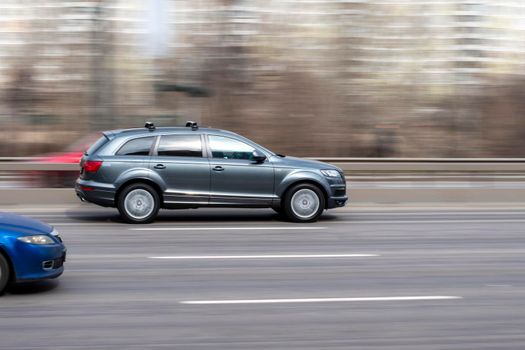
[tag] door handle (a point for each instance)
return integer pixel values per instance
(160, 166)
(218, 168)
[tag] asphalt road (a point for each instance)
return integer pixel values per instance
(361, 278)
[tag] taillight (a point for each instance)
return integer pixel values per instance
(92, 166)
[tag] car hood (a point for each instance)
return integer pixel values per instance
(22, 225)
(295, 162)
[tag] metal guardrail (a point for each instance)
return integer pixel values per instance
(349, 165)
(381, 180)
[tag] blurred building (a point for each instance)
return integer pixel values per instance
(441, 78)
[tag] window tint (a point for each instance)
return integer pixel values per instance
(180, 146)
(136, 147)
(227, 148)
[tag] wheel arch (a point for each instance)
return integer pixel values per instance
(12, 272)
(145, 181)
(304, 181)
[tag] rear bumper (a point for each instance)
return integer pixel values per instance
(90, 191)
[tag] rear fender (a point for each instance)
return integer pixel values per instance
(140, 173)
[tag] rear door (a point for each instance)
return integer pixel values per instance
(235, 178)
(179, 160)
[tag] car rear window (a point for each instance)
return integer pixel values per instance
(137, 147)
(180, 146)
(97, 145)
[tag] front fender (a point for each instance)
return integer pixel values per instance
(301, 176)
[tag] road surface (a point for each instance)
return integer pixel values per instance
(361, 278)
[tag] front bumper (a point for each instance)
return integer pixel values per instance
(338, 197)
(34, 262)
(336, 202)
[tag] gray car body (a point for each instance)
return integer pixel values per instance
(191, 182)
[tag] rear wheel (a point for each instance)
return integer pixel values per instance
(304, 203)
(4, 273)
(139, 203)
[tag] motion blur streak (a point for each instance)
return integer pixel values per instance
(440, 78)
(113, 296)
(426, 96)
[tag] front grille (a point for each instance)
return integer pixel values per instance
(58, 263)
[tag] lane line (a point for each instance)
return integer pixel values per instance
(434, 213)
(283, 256)
(262, 228)
(443, 221)
(319, 300)
(86, 224)
(227, 228)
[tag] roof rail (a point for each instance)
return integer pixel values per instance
(150, 126)
(191, 124)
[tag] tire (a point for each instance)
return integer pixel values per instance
(304, 203)
(4, 273)
(138, 203)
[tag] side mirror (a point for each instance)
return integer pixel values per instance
(258, 157)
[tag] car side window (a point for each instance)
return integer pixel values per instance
(180, 146)
(136, 147)
(228, 148)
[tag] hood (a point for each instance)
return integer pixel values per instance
(302, 163)
(22, 224)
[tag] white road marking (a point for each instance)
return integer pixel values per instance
(94, 224)
(252, 228)
(499, 285)
(434, 213)
(443, 221)
(283, 256)
(291, 228)
(320, 300)
(47, 216)
(332, 224)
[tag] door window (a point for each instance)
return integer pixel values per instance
(180, 146)
(136, 147)
(228, 148)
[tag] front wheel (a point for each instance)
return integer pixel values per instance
(139, 203)
(4, 273)
(304, 203)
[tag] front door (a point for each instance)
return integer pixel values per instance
(179, 162)
(236, 179)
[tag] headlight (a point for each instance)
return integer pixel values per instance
(330, 173)
(38, 239)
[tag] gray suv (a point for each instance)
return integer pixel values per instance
(142, 170)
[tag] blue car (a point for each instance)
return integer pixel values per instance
(30, 250)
